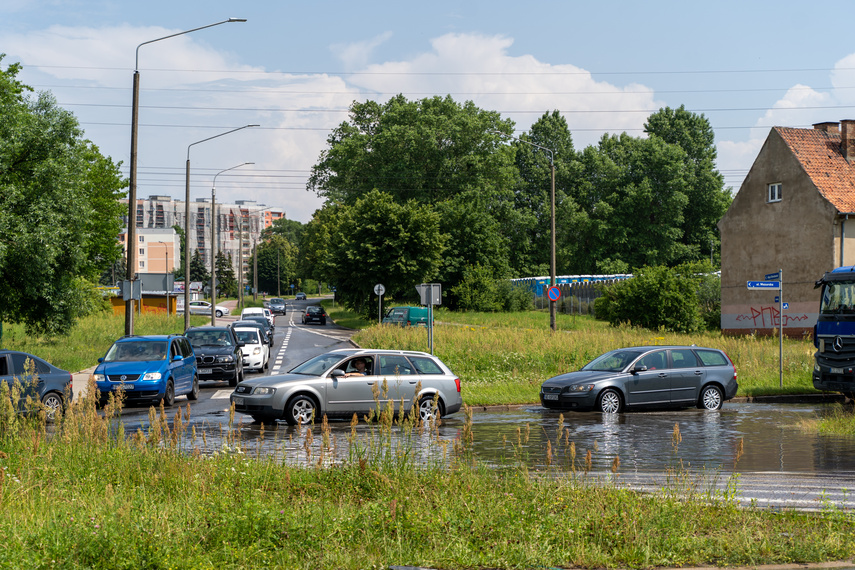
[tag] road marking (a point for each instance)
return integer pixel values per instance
(222, 394)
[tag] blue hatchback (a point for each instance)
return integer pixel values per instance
(149, 368)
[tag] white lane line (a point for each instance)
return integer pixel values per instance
(222, 394)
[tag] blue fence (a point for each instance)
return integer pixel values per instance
(578, 292)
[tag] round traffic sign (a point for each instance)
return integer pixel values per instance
(379, 289)
(554, 293)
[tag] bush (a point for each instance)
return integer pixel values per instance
(514, 298)
(477, 291)
(662, 298)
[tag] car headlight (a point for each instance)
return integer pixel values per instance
(580, 388)
(256, 350)
(816, 367)
(264, 391)
(99, 377)
(228, 358)
(152, 376)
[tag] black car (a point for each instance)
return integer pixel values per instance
(218, 353)
(257, 323)
(315, 314)
(40, 380)
(276, 306)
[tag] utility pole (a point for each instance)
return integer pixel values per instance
(278, 279)
(254, 270)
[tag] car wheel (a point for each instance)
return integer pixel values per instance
(610, 402)
(219, 314)
(194, 391)
(169, 394)
(323, 322)
(238, 378)
(53, 406)
(427, 412)
(266, 365)
(300, 410)
(263, 420)
(711, 398)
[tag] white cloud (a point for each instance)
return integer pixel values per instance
(358, 54)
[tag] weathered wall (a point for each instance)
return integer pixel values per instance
(796, 234)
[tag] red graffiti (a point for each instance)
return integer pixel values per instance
(770, 317)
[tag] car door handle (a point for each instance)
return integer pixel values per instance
(663, 374)
(698, 372)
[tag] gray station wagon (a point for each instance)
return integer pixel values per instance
(680, 376)
(344, 382)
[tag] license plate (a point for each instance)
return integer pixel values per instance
(837, 371)
(238, 401)
(550, 396)
(206, 371)
(123, 387)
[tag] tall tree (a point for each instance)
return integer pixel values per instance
(59, 212)
(198, 268)
(708, 198)
(277, 264)
(227, 285)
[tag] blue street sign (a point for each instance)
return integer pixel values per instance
(554, 293)
(786, 306)
(777, 298)
(772, 276)
(769, 285)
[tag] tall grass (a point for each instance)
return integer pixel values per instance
(83, 494)
(503, 364)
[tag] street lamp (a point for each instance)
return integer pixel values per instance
(551, 223)
(214, 242)
(132, 185)
(187, 224)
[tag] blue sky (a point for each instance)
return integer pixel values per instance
(294, 68)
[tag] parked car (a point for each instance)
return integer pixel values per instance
(329, 385)
(681, 376)
(41, 381)
(218, 353)
(263, 322)
(407, 316)
(149, 368)
(256, 352)
(277, 306)
(300, 297)
(204, 308)
(261, 325)
(314, 314)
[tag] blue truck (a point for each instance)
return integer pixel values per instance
(834, 333)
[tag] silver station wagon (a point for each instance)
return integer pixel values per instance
(347, 381)
(659, 376)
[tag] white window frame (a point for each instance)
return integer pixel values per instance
(142, 264)
(142, 239)
(774, 192)
(142, 251)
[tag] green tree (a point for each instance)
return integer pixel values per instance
(179, 273)
(277, 264)
(198, 268)
(380, 241)
(288, 229)
(227, 285)
(708, 198)
(660, 297)
(59, 211)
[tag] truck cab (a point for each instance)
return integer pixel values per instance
(834, 333)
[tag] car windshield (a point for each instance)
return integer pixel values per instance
(838, 296)
(277, 301)
(209, 338)
(614, 361)
(318, 365)
(247, 336)
(137, 350)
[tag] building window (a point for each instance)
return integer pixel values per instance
(773, 192)
(142, 251)
(142, 239)
(142, 264)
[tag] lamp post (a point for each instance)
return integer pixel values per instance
(214, 242)
(132, 184)
(551, 223)
(187, 224)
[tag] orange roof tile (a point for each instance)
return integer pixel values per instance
(820, 155)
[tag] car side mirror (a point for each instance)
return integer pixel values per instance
(100, 359)
(241, 344)
(177, 357)
(639, 369)
(337, 373)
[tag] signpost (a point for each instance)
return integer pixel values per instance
(430, 294)
(554, 293)
(775, 282)
(379, 290)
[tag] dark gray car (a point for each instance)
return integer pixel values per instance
(276, 306)
(39, 379)
(660, 376)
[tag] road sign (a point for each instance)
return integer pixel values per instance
(768, 285)
(554, 293)
(772, 276)
(777, 298)
(786, 306)
(379, 289)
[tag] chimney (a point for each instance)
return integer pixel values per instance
(827, 127)
(847, 139)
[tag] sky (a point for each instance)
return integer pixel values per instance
(294, 68)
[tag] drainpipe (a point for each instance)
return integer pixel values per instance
(842, 237)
